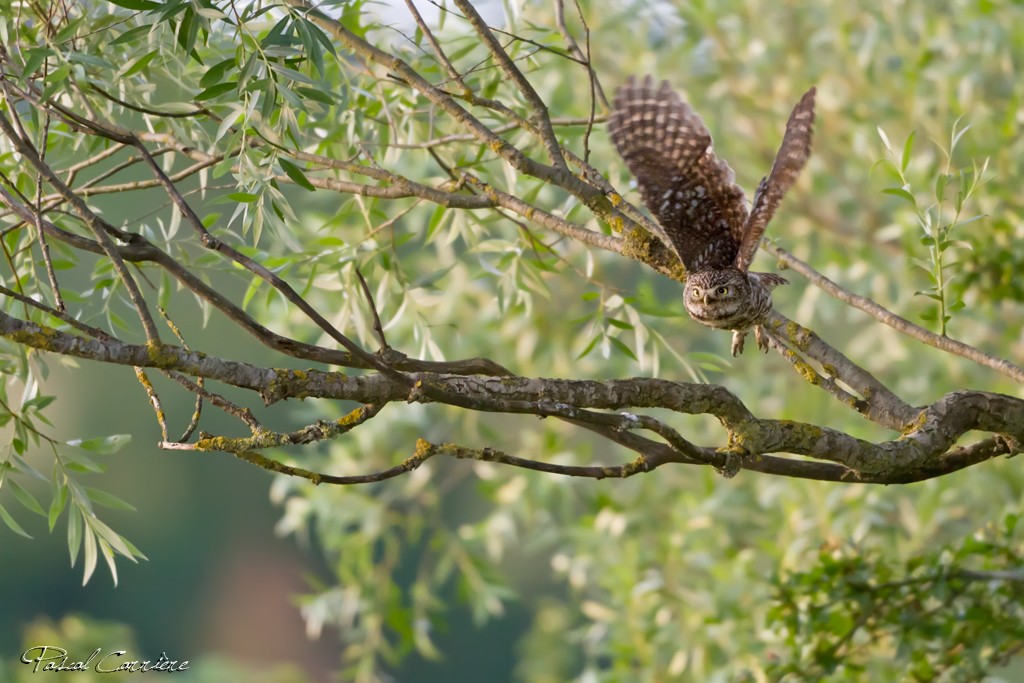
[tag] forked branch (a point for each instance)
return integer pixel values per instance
(926, 449)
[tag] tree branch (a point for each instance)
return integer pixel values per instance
(879, 404)
(925, 450)
(894, 321)
(100, 233)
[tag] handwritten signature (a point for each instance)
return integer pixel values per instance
(53, 658)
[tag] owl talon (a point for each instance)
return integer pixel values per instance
(762, 338)
(737, 342)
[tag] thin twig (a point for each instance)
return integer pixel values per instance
(596, 91)
(145, 110)
(894, 321)
(63, 316)
(453, 73)
(198, 410)
(258, 269)
(139, 250)
(377, 327)
(44, 248)
(92, 221)
(154, 400)
(548, 220)
(517, 124)
(541, 118)
(243, 414)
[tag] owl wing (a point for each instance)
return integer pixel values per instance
(791, 157)
(688, 189)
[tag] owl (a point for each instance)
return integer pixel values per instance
(704, 214)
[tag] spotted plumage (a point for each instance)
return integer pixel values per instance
(702, 211)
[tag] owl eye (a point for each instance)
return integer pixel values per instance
(695, 292)
(723, 290)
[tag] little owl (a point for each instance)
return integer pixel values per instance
(703, 213)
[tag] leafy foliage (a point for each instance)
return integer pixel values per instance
(86, 532)
(946, 615)
(937, 221)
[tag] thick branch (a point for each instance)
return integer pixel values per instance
(879, 403)
(926, 450)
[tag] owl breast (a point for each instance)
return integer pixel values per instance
(726, 299)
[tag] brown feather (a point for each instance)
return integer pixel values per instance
(791, 157)
(688, 189)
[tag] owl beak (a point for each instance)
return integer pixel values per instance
(707, 299)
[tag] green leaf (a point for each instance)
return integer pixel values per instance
(322, 96)
(296, 174)
(108, 556)
(885, 138)
(957, 134)
(941, 181)
(74, 534)
(926, 266)
(312, 45)
(59, 500)
(216, 73)
(430, 278)
(34, 59)
(293, 75)
(290, 98)
(21, 466)
(104, 445)
(622, 347)
(90, 60)
(12, 523)
(140, 64)
(24, 497)
(589, 348)
(188, 32)
(131, 35)
(968, 221)
(105, 499)
(80, 463)
(112, 537)
(901, 192)
(1010, 523)
(138, 5)
(216, 90)
(963, 193)
(39, 402)
(908, 148)
(90, 556)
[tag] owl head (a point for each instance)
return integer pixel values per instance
(719, 298)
